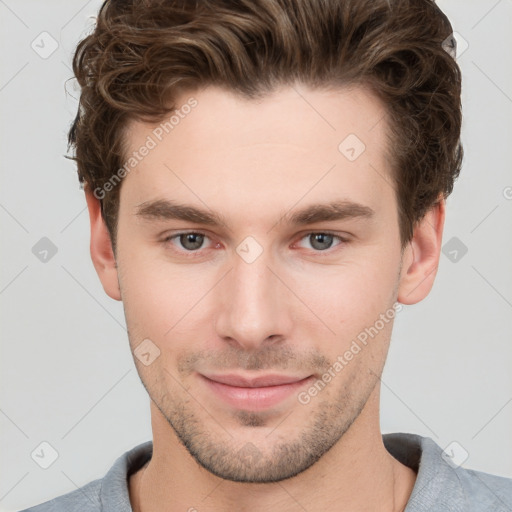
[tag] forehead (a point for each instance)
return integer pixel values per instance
(291, 143)
(287, 115)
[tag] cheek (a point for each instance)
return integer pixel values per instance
(351, 301)
(350, 296)
(157, 294)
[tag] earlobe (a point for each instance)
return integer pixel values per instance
(101, 247)
(421, 256)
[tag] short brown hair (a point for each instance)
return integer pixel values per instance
(141, 53)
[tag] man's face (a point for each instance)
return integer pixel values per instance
(260, 294)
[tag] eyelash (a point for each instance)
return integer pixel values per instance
(196, 253)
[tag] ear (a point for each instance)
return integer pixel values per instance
(421, 256)
(101, 247)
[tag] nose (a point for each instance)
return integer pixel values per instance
(254, 307)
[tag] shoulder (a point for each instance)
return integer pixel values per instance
(485, 492)
(444, 485)
(107, 494)
(84, 499)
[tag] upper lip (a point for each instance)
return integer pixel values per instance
(260, 381)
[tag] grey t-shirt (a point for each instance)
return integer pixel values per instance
(440, 486)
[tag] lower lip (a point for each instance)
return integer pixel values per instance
(255, 399)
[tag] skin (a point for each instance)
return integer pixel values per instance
(292, 311)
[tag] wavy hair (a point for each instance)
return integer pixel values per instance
(142, 54)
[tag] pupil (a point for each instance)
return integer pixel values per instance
(194, 239)
(322, 238)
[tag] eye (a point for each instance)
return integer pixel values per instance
(192, 241)
(322, 241)
(189, 242)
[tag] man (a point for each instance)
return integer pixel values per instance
(266, 185)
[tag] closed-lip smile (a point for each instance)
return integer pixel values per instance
(256, 393)
(256, 382)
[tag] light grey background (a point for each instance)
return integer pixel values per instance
(67, 375)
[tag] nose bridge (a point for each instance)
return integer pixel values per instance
(253, 306)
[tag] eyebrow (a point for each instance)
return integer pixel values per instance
(165, 209)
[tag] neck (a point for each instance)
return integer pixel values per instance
(356, 474)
